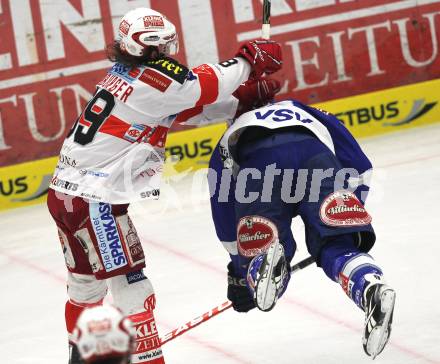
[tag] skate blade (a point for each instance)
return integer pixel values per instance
(379, 335)
(266, 287)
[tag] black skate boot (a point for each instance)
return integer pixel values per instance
(74, 357)
(379, 306)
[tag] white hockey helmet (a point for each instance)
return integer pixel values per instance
(144, 27)
(102, 332)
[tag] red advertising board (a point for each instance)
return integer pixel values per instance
(51, 53)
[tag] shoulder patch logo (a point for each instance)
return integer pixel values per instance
(255, 234)
(342, 208)
(170, 68)
(155, 79)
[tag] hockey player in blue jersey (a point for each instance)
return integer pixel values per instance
(285, 160)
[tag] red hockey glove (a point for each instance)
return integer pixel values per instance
(264, 56)
(255, 93)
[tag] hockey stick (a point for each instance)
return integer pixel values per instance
(265, 29)
(219, 309)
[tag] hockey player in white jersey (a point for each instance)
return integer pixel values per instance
(302, 162)
(114, 153)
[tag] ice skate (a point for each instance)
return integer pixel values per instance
(268, 275)
(379, 307)
(74, 357)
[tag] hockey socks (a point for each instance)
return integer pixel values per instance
(344, 263)
(362, 280)
(357, 271)
(72, 312)
(147, 349)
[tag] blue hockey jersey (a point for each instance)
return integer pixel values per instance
(288, 113)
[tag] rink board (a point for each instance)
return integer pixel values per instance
(52, 53)
(389, 110)
(364, 115)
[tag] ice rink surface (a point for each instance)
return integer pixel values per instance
(314, 323)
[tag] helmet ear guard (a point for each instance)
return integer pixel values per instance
(142, 28)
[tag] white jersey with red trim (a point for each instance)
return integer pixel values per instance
(115, 151)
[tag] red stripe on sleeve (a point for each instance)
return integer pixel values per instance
(208, 84)
(188, 114)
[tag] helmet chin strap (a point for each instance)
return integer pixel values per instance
(152, 53)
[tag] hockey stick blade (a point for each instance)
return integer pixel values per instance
(220, 308)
